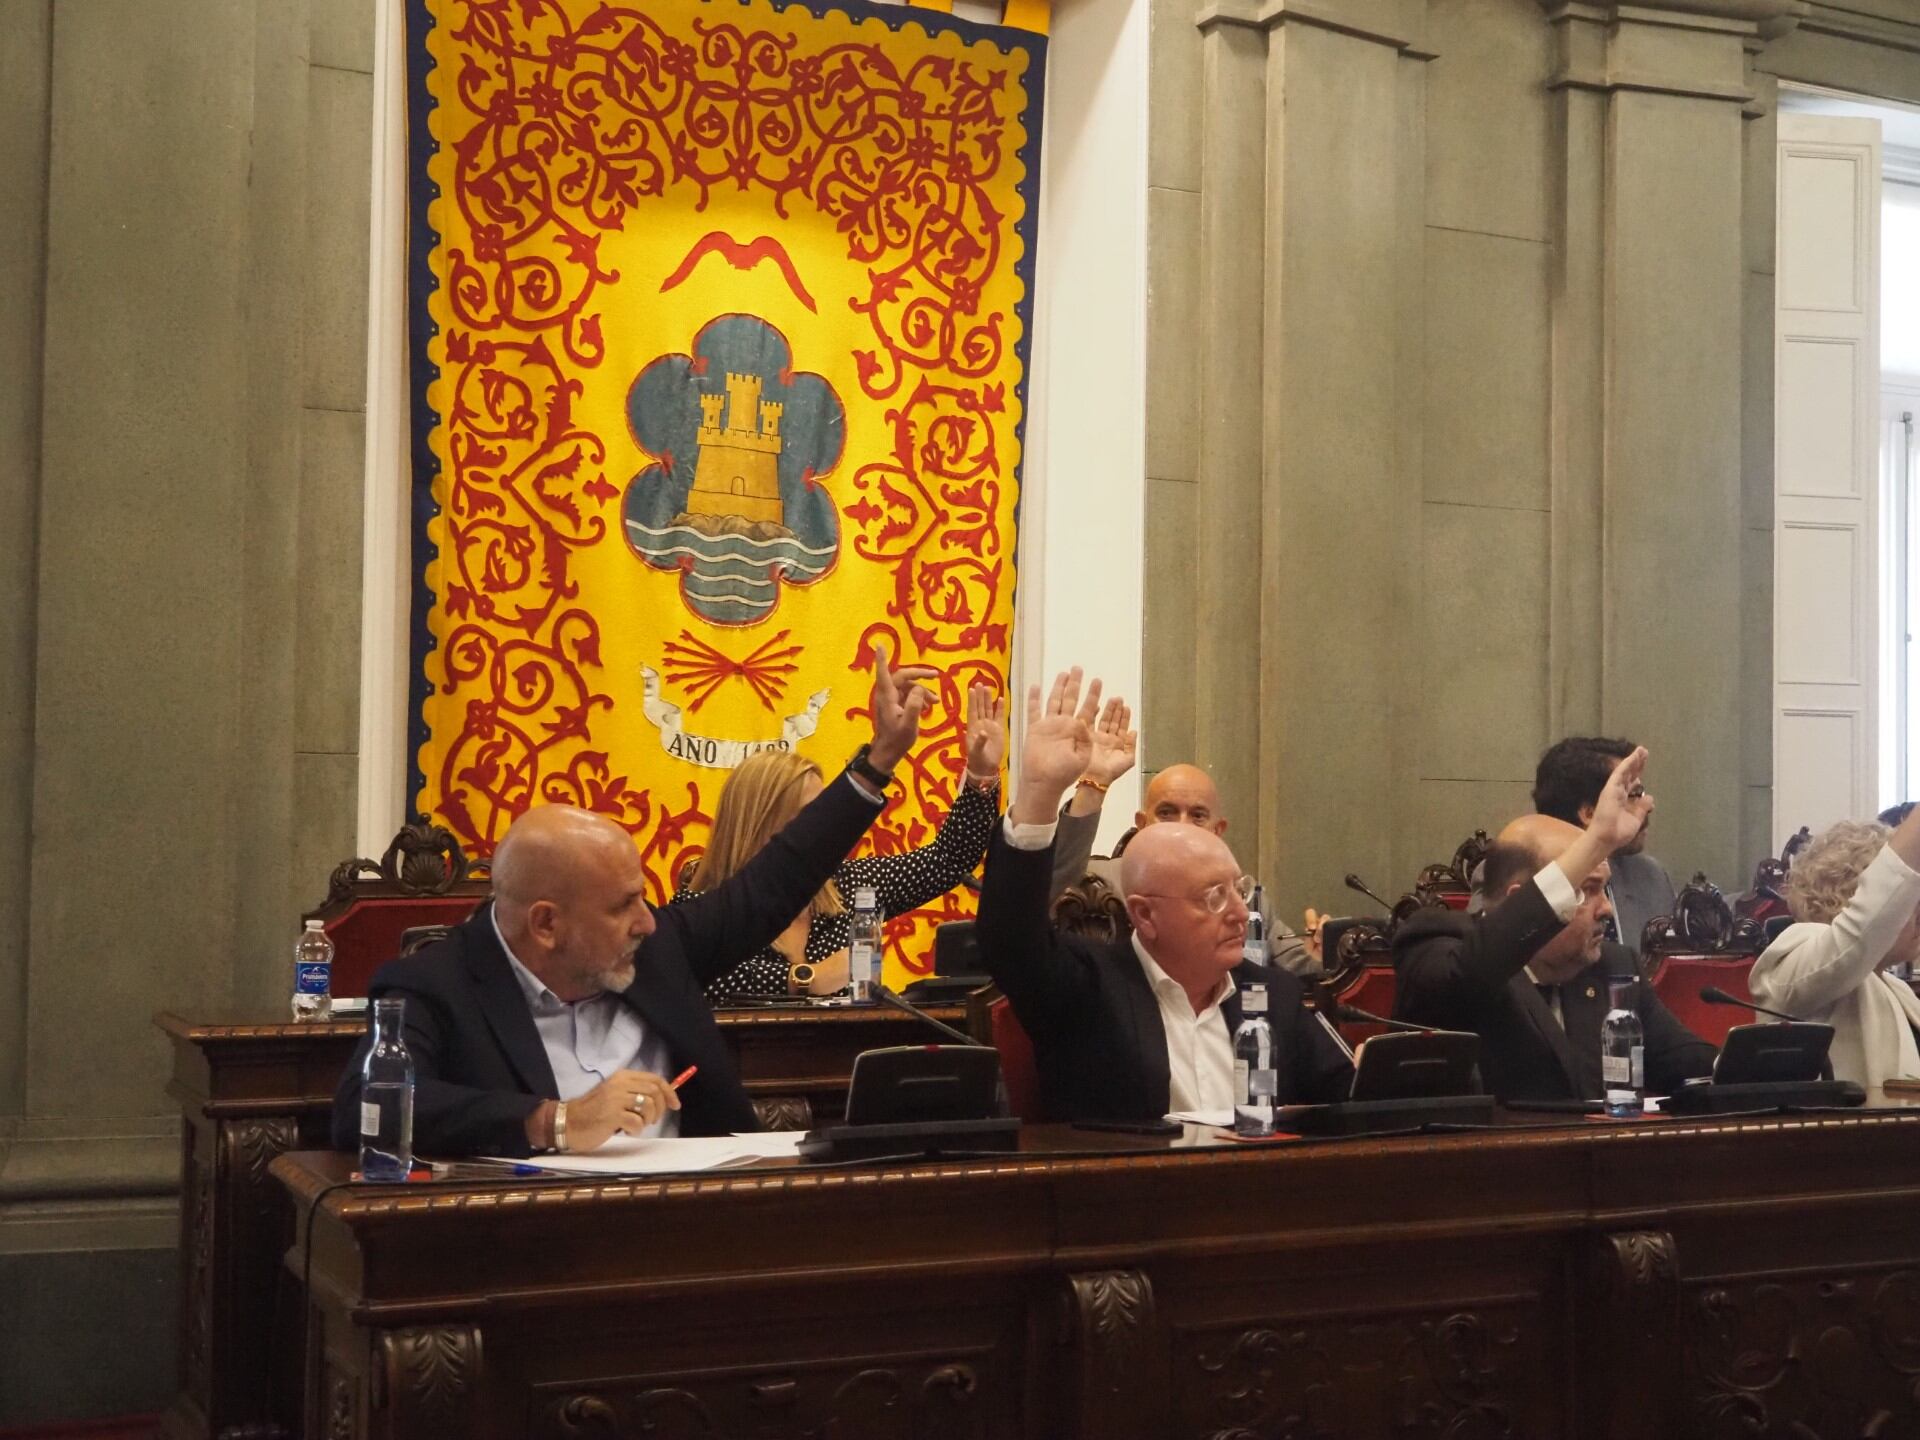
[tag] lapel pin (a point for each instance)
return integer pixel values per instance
(1591, 992)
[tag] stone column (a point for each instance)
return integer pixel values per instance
(1231, 288)
(1649, 352)
(1340, 420)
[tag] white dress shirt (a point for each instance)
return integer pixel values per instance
(1199, 1050)
(1200, 1069)
(588, 1040)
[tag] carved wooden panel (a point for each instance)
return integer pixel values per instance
(1633, 1334)
(427, 1383)
(931, 1399)
(197, 1210)
(1116, 1347)
(1465, 1372)
(1806, 1356)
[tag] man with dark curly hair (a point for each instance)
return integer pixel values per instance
(1566, 785)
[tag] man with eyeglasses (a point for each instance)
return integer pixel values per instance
(1133, 1029)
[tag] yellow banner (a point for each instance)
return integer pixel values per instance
(720, 344)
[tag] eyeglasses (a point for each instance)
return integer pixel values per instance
(1215, 897)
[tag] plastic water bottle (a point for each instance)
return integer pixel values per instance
(1254, 1076)
(863, 946)
(1623, 1053)
(386, 1097)
(1254, 949)
(313, 974)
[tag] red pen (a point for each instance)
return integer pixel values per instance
(685, 1075)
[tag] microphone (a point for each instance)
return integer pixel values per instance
(1354, 882)
(1338, 1039)
(1714, 995)
(1354, 1015)
(898, 1002)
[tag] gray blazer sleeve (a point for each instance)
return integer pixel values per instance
(1072, 850)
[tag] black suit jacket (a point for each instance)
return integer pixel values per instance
(1467, 972)
(479, 1066)
(1095, 1025)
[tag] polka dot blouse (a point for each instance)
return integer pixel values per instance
(899, 882)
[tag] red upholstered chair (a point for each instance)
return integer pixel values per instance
(424, 879)
(1017, 1067)
(1677, 980)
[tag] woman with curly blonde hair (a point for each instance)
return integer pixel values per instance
(1855, 895)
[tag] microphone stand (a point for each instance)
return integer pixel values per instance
(898, 1002)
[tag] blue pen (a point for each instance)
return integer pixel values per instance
(500, 1167)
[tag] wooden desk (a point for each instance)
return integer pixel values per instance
(1661, 1279)
(251, 1090)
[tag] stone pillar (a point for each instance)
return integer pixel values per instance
(1649, 353)
(1338, 500)
(1224, 633)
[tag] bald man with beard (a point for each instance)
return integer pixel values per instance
(1133, 1028)
(552, 1019)
(1530, 973)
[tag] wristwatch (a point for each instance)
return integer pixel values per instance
(560, 1127)
(800, 977)
(867, 770)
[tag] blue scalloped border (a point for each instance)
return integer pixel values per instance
(422, 239)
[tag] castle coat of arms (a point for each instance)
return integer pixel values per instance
(734, 499)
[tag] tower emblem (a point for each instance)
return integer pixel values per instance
(733, 499)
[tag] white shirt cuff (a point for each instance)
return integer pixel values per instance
(1559, 890)
(865, 789)
(1029, 837)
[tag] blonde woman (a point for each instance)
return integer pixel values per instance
(769, 789)
(1856, 892)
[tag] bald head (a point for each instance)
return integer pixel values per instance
(1522, 850)
(569, 894)
(1167, 876)
(1185, 794)
(1164, 859)
(541, 856)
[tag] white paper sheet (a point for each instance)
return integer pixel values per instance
(1204, 1117)
(625, 1155)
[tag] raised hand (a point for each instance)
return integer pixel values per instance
(986, 734)
(1624, 805)
(1056, 747)
(899, 700)
(1115, 743)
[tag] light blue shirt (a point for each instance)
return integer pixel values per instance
(588, 1040)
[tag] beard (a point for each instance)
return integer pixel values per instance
(618, 976)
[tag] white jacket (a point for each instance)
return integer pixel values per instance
(1830, 973)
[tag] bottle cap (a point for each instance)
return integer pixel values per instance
(316, 925)
(865, 899)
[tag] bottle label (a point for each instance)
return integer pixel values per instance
(1629, 1069)
(1240, 1079)
(310, 978)
(369, 1119)
(1263, 1085)
(1253, 1000)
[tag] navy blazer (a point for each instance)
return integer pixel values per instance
(1098, 1040)
(479, 1066)
(1468, 972)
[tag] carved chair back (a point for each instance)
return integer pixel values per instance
(423, 881)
